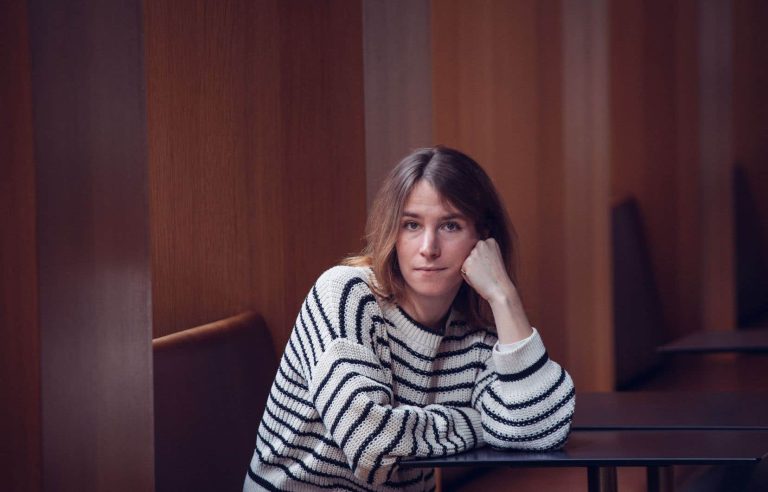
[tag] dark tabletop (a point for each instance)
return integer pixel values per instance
(752, 340)
(624, 448)
(671, 410)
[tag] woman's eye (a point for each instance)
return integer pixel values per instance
(451, 226)
(410, 226)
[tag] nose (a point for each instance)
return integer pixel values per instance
(429, 245)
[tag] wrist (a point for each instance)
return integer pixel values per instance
(509, 315)
(505, 297)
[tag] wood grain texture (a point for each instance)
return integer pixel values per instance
(687, 213)
(551, 224)
(257, 165)
(586, 150)
(715, 41)
(213, 124)
(644, 141)
(92, 237)
(750, 100)
(398, 84)
(323, 204)
(20, 425)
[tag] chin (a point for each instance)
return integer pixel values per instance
(428, 290)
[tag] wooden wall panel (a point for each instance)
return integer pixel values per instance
(92, 235)
(398, 84)
(257, 160)
(670, 93)
(750, 100)
(323, 206)
(687, 298)
(550, 185)
(20, 425)
(214, 129)
(716, 166)
(644, 150)
(586, 161)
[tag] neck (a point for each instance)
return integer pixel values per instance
(431, 313)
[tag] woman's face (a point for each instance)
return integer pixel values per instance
(433, 241)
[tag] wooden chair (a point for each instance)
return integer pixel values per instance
(637, 315)
(211, 386)
(751, 261)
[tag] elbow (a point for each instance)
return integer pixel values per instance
(556, 440)
(547, 431)
(550, 438)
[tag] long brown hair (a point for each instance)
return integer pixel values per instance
(462, 183)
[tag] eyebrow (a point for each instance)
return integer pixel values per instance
(444, 217)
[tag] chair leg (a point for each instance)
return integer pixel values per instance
(660, 479)
(602, 479)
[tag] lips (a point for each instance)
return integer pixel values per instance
(430, 269)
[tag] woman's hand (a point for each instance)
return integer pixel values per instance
(485, 272)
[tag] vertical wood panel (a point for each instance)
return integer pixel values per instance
(398, 84)
(586, 151)
(257, 154)
(644, 150)
(20, 426)
(716, 171)
(94, 280)
(215, 162)
(550, 186)
(687, 211)
(750, 100)
(323, 207)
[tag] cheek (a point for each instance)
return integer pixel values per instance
(467, 246)
(401, 254)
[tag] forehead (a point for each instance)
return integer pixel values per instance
(424, 198)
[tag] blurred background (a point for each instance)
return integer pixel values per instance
(169, 163)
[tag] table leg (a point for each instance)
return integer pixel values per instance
(438, 479)
(602, 479)
(660, 479)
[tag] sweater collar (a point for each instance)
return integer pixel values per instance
(414, 331)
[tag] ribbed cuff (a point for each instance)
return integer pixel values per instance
(511, 347)
(521, 358)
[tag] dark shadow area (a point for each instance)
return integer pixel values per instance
(751, 263)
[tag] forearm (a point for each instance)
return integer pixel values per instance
(353, 399)
(525, 399)
(509, 316)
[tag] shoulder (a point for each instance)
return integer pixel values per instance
(343, 277)
(345, 296)
(342, 285)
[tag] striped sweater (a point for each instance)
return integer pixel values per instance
(362, 385)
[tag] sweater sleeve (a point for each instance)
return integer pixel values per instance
(526, 400)
(351, 389)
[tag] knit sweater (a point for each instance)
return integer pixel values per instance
(362, 385)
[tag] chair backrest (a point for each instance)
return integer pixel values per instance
(637, 311)
(211, 386)
(751, 261)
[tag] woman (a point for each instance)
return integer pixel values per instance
(418, 347)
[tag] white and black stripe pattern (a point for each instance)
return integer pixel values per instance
(362, 385)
